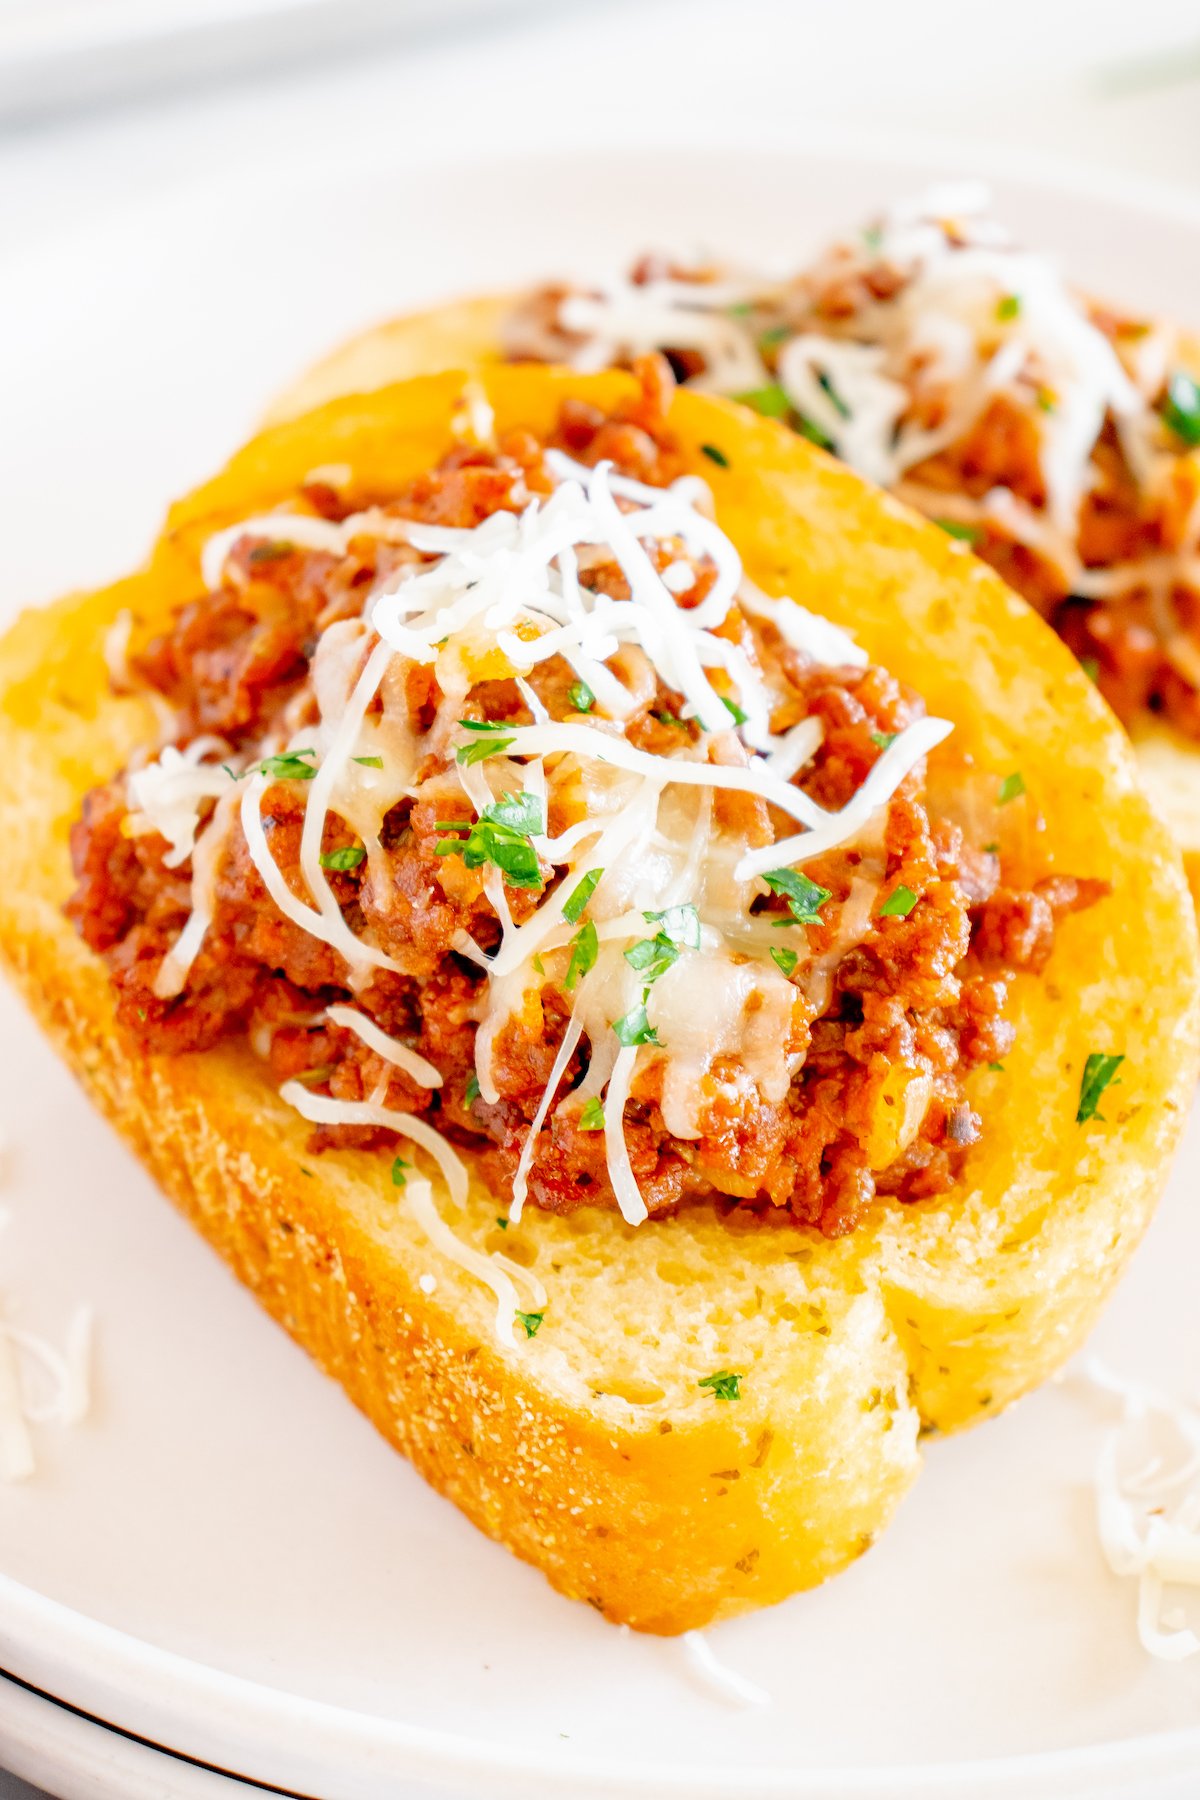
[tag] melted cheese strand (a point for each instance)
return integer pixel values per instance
(717, 1677)
(620, 1170)
(390, 1048)
(317, 804)
(322, 1109)
(897, 762)
(566, 1051)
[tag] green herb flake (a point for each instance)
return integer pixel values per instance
(991, 849)
(1182, 409)
(315, 1076)
(581, 696)
(1047, 399)
(679, 923)
(773, 336)
(1091, 668)
(734, 710)
(348, 858)
(1009, 306)
(1099, 1071)
(501, 836)
(898, 904)
(652, 957)
(805, 899)
(502, 1222)
(965, 534)
(996, 1068)
(725, 1385)
(771, 402)
(471, 1091)
(585, 948)
(591, 1118)
(537, 965)
(368, 762)
(1011, 788)
(835, 399)
(883, 740)
(289, 765)
(582, 893)
(273, 551)
(531, 1321)
(666, 718)
(635, 1027)
(784, 959)
(467, 755)
(399, 1177)
(715, 455)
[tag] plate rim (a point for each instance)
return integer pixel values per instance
(43, 1641)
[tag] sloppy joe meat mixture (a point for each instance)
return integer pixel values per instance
(893, 988)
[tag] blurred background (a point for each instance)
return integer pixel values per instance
(111, 110)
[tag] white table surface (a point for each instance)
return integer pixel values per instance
(1028, 79)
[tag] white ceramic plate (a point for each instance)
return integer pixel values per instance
(225, 1558)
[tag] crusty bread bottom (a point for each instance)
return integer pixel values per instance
(590, 1450)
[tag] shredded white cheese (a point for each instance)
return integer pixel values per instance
(1148, 1505)
(644, 833)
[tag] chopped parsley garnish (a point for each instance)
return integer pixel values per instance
(1098, 1072)
(591, 1118)
(679, 923)
(1091, 667)
(883, 740)
(770, 401)
(715, 455)
(784, 959)
(289, 765)
(501, 836)
(725, 1385)
(585, 948)
(898, 904)
(399, 1178)
(583, 892)
(966, 534)
(502, 1222)
(537, 965)
(1009, 306)
(652, 957)
(635, 1027)
(1011, 788)
(813, 432)
(805, 899)
(838, 404)
(1182, 409)
(349, 858)
(532, 1322)
(368, 762)
(678, 927)
(581, 696)
(481, 748)
(734, 710)
(471, 1091)
(666, 718)
(272, 551)
(996, 1068)
(773, 335)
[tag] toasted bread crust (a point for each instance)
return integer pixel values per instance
(590, 1451)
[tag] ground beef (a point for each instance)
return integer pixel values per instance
(924, 995)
